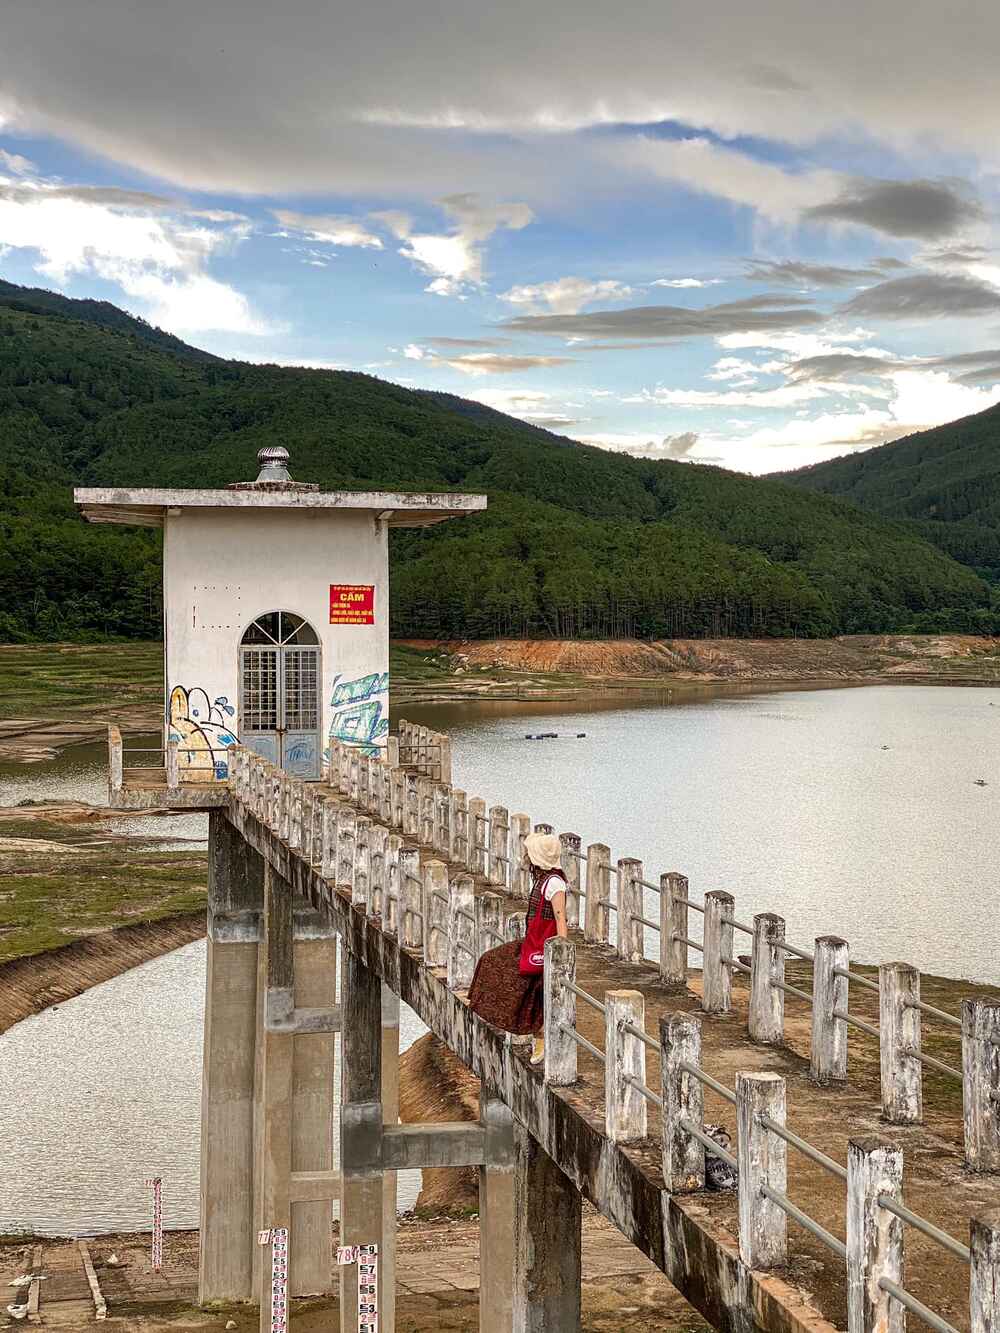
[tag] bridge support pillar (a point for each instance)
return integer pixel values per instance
(313, 1056)
(235, 901)
(390, 1116)
(496, 1218)
(361, 1207)
(546, 1243)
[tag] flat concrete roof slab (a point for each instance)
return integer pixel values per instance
(147, 507)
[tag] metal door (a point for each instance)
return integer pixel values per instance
(279, 693)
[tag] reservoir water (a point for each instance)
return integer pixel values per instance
(847, 810)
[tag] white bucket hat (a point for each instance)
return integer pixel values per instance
(544, 850)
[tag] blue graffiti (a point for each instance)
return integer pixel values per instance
(361, 718)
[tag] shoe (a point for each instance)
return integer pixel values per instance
(538, 1050)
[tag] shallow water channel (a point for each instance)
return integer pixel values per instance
(852, 811)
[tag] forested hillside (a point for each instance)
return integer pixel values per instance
(577, 541)
(945, 482)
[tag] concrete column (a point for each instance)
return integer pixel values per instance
(767, 966)
(498, 869)
(717, 974)
(520, 875)
(899, 1043)
(981, 1083)
(235, 901)
(624, 1066)
(630, 909)
(458, 819)
(489, 922)
(571, 869)
(874, 1237)
(683, 1102)
(763, 1161)
(461, 938)
(496, 1218)
(275, 1079)
(390, 1116)
(313, 1055)
(546, 1242)
(828, 1059)
(478, 835)
(673, 928)
(560, 1012)
(361, 1208)
(984, 1290)
(597, 917)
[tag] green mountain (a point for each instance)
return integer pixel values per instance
(944, 482)
(577, 541)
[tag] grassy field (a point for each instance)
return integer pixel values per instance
(79, 879)
(70, 680)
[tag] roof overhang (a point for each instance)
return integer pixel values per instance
(147, 507)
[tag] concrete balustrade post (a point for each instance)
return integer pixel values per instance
(673, 928)
(513, 926)
(683, 1102)
(392, 751)
(426, 749)
(411, 898)
(981, 1083)
(874, 1236)
(498, 869)
(461, 938)
(274, 812)
(362, 861)
(397, 782)
(624, 1066)
(355, 777)
(984, 1287)
(630, 910)
(116, 759)
(173, 764)
(478, 836)
(458, 823)
(390, 908)
(570, 863)
(831, 995)
(386, 800)
(560, 1012)
(330, 814)
(378, 836)
(767, 967)
(411, 809)
(344, 774)
(520, 872)
(435, 910)
(597, 919)
(899, 1043)
(442, 821)
(763, 1164)
(363, 797)
(425, 806)
(444, 759)
(717, 973)
(306, 821)
(489, 922)
(346, 843)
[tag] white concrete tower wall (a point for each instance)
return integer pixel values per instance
(222, 569)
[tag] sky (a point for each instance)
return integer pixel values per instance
(757, 236)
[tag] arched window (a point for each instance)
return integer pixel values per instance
(280, 680)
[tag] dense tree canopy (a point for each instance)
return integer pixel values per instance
(577, 542)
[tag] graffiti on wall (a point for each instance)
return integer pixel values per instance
(361, 711)
(204, 731)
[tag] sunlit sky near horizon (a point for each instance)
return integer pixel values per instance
(755, 237)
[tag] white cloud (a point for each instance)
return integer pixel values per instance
(14, 162)
(157, 259)
(786, 396)
(566, 296)
(328, 227)
(414, 353)
(454, 260)
(686, 282)
(735, 370)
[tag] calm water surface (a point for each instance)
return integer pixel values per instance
(847, 811)
(786, 799)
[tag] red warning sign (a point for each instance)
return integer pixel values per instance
(352, 604)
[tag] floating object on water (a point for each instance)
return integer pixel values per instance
(980, 782)
(886, 747)
(548, 735)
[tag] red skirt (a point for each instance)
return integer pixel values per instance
(500, 995)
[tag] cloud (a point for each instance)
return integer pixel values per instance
(497, 363)
(833, 366)
(466, 343)
(800, 273)
(924, 209)
(154, 257)
(454, 260)
(926, 296)
(685, 282)
(329, 227)
(14, 162)
(672, 323)
(789, 395)
(567, 296)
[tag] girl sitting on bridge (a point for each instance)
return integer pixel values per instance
(507, 988)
